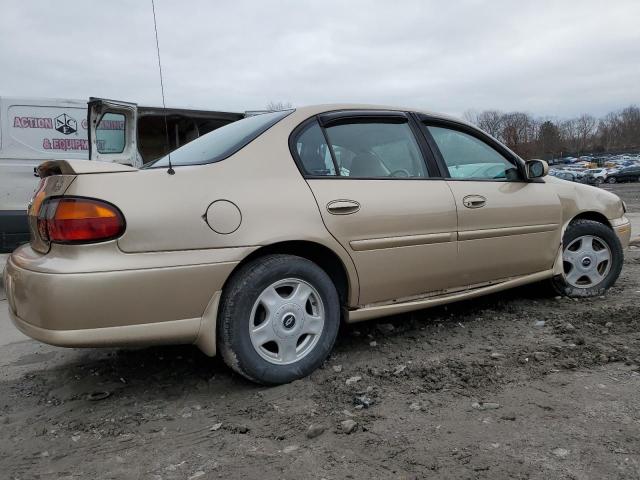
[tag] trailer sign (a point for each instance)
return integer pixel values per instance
(65, 124)
(49, 129)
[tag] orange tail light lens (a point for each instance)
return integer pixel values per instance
(79, 220)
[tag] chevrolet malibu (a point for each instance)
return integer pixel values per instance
(258, 239)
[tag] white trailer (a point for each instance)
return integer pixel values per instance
(33, 130)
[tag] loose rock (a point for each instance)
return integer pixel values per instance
(540, 356)
(399, 369)
(352, 380)
(348, 426)
(337, 368)
(315, 430)
(362, 401)
(561, 452)
(485, 405)
(385, 327)
(290, 449)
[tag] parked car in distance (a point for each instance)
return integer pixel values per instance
(599, 174)
(626, 174)
(258, 239)
(566, 175)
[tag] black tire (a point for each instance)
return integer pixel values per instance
(580, 228)
(238, 298)
(611, 180)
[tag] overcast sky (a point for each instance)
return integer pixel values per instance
(555, 58)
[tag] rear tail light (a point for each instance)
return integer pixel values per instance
(79, 220)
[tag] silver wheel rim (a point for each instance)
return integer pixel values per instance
(287, 320)
(587, 261)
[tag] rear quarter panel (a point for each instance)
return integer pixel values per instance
(168, 212)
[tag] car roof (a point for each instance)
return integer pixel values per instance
(311, 110)
(302, 113)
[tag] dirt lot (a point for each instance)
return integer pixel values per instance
(516, 385)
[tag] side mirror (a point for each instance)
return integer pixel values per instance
(537, 169)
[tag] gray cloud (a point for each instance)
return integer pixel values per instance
(545, 57)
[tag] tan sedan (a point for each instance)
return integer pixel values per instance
(263, 235)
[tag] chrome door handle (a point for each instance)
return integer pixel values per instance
(474, 201)
(343, 207)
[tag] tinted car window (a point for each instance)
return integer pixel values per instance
(470, 158)
(313, 151)
(222, 142)
(376, 150)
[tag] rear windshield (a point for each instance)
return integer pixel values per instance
(222, 142)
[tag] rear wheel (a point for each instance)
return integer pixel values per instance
(278, 320)
(611, 180)
(592, 259)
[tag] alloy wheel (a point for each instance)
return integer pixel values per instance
(287, 320)
(587, 261)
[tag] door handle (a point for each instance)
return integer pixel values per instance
(343, 207)
(474, 201)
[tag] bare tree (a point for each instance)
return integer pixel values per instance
(585, 128)
(471, 116)
(545, 137)
(278, 106)
(630, 127)
(549, 139)
(491, 122)
(518, 132)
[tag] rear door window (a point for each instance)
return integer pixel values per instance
(376, 150)
(313, 151)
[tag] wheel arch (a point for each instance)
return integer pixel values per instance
(591, 215)
(323, 256)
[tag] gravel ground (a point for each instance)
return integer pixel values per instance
(515, 385)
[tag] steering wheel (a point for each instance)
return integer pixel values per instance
(401, 172)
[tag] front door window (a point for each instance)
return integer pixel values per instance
(467, 157)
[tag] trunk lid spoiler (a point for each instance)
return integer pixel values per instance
(79, 167)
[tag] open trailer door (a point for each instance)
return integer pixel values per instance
(113, 131)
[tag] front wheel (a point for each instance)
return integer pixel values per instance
(591, 257)
(611, 180)
(279, 319)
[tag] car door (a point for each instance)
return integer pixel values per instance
(113, 132)
(507, 226)
(381, 200)
(631, 174)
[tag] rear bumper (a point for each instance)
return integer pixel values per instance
(14, 229)
(172, 304)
